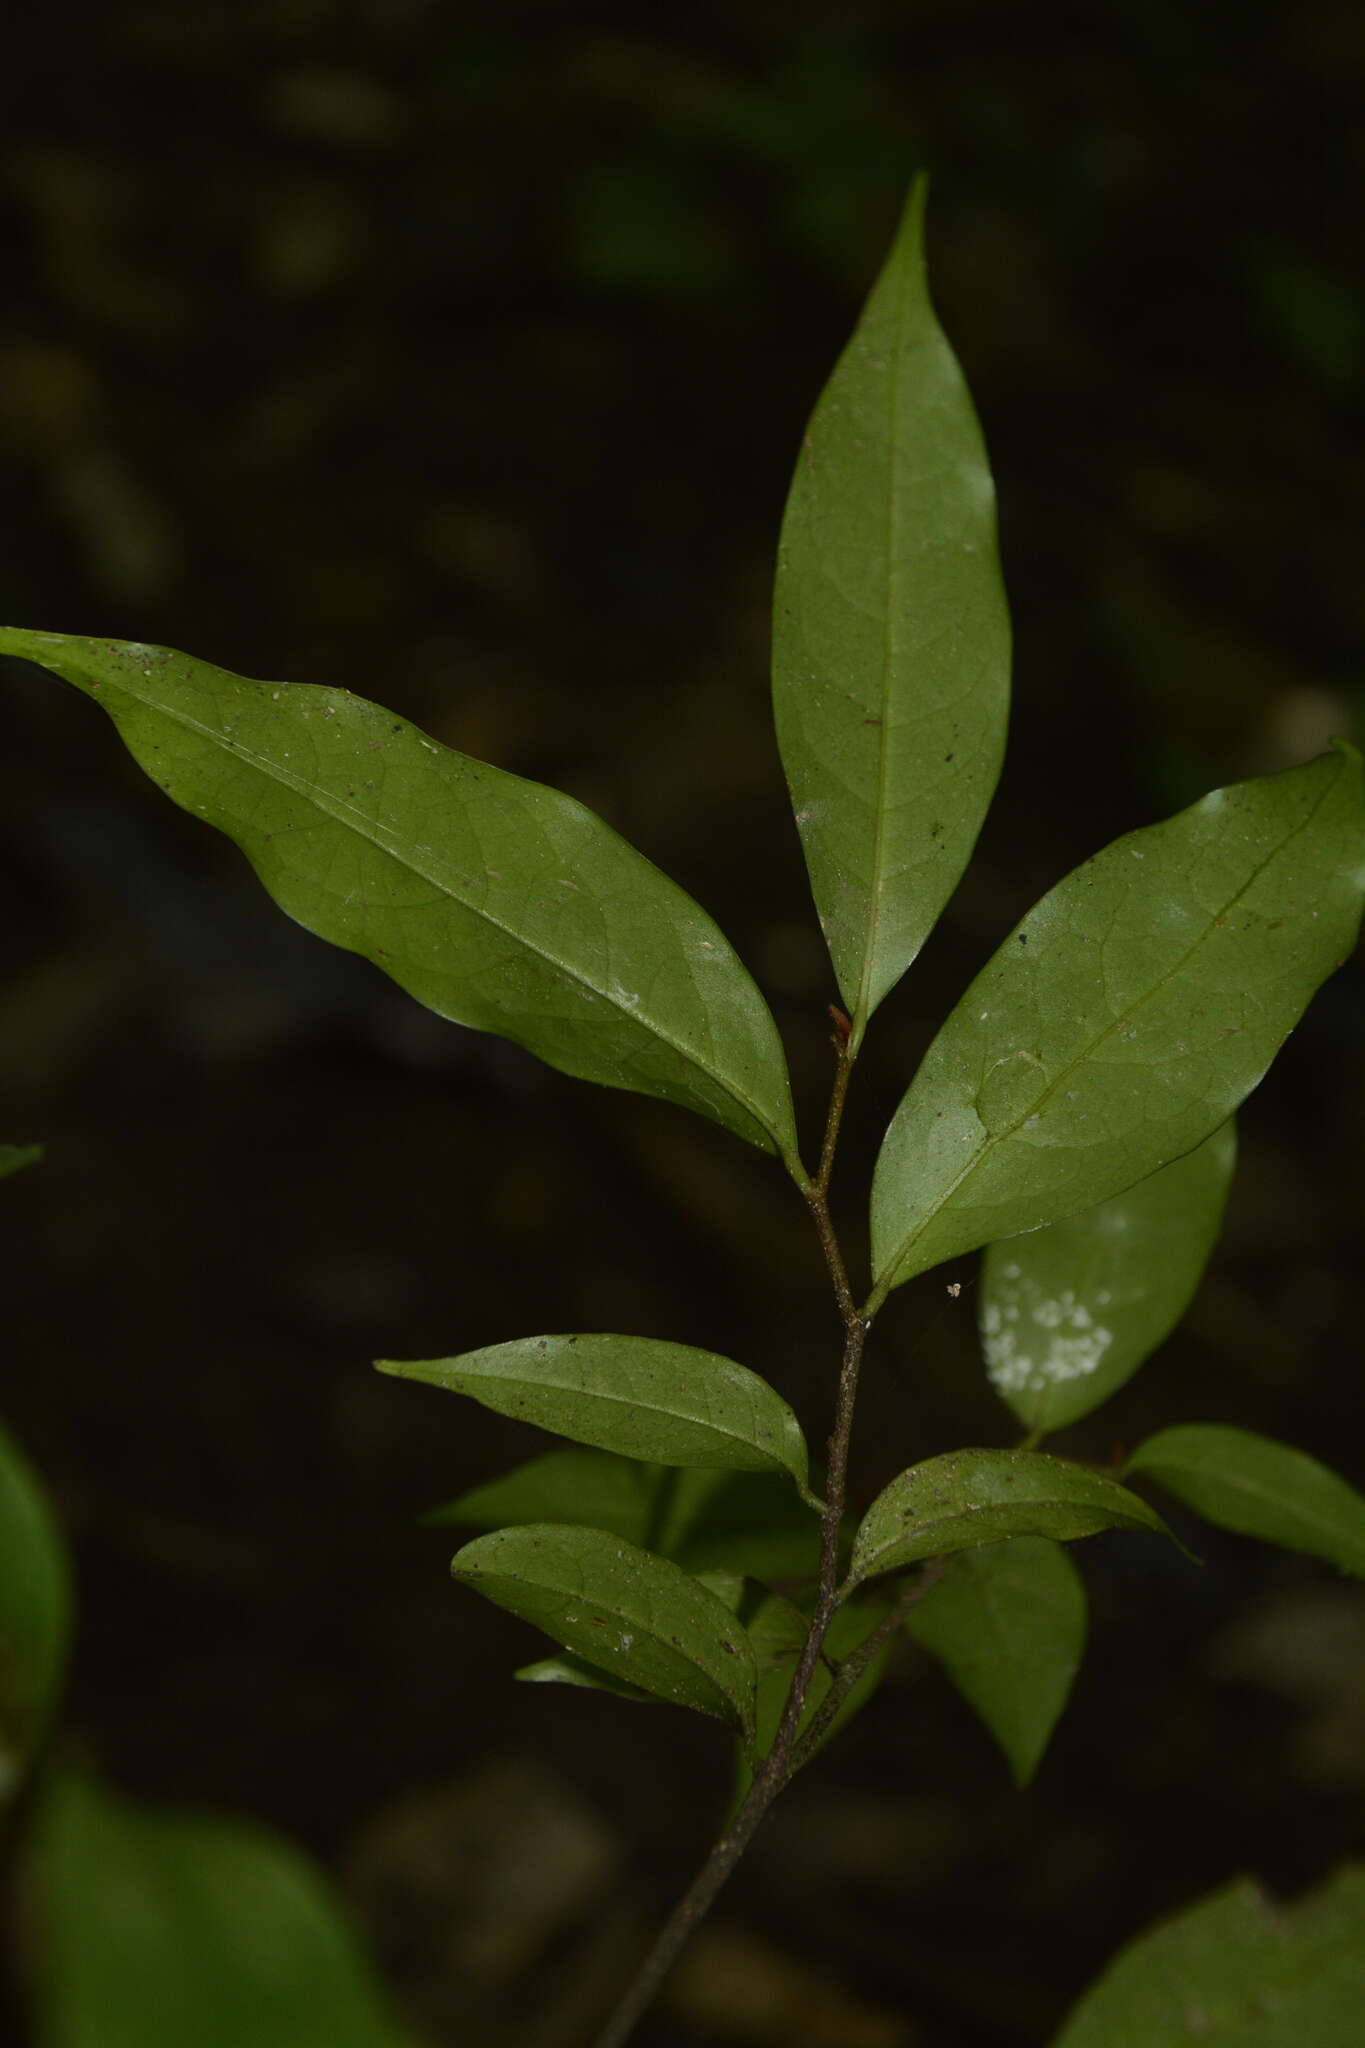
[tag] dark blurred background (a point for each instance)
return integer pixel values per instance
(458, 354)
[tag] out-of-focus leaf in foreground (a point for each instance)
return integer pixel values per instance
(1235, 1971)
(35, 1616)
(161, 1929)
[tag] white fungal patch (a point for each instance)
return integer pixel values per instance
(1036, 1340)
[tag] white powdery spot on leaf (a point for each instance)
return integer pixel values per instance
(1069, 1345)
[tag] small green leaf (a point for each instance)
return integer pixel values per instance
(1007, 1622)
(742, 1521)
(14, 1157)
(636, 1616)
(1236, 1971)
(1070, 1312)
(670, 1403)
(891, 641)
(1258, 1487)
(1125, 1018)
(968, 1497)
(161, 1929)
(576, 1671)
(35, 1616)
(496, 902)
(592, 1488)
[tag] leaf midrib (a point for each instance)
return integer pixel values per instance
(1088, 1052)
(355, 820)
(1257, 1490)
(877, 899)
(610, 1398)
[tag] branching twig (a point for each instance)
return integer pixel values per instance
(785, 1755)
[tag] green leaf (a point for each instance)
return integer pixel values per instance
(496, 902)
(742, 1521)
(594, 1488)
(1069, 1313)
(964, 1498)
(748, 1522)
(35, 1616)
(1125, 1018)
(577, 1671)
(1235, 1971)
(891, 640)
(14, 1157)
(1258, 1487)
(670, 1403)
(636, 1616)
(1007, 1622)
(160, 1929)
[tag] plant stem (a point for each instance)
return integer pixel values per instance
(781, 1762)
(856, 1663)
(691, 1910)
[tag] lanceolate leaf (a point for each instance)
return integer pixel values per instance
(156, 1930)
(35, 1616)
(637, 1616)
(1258, 1487)
(1235, 1971)
(890, 634)
(13, 1157)
(1070, 1312)
(968, 1497)
(496, 902)
(1007, 1621)
(635, 1395)
(1126, 1017)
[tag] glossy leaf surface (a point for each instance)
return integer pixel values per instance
(15, 1157)
(750, 1522)
(35, 1616)
(1258, 1487)
(670, 1403)
(637, 1616)
(1235, 1971)
(496, 902)
(1007, 1622)
(1126, 1017)
(1069, 1313)
(891, 640)
(161, 1929)
(964, 1498)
